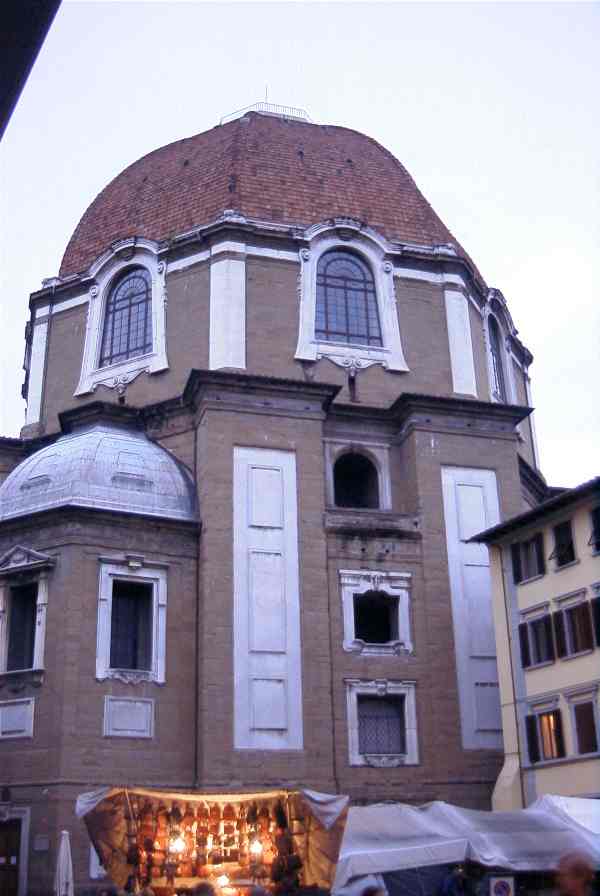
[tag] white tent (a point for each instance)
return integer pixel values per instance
(390, 837)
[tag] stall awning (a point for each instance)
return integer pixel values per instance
(391, 837)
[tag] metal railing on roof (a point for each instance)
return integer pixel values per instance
(268, 109)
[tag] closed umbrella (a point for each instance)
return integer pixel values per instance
(63, 880)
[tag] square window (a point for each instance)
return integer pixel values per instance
(22, 613)
(564, 548)
(375, 617)
(381, 725)
(585, 727)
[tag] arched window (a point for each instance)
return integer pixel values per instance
(127, 331)
(355, 482)
(498, 380)
(346, 301)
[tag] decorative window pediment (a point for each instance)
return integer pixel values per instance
(126, 322)
(20, 559)
(348, 310)
(361, 585)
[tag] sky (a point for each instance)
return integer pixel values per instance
(492, 107)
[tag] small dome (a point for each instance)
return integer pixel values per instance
(104, 467)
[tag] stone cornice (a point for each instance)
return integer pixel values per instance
(92, 515)
(100, 412)
(220, 390)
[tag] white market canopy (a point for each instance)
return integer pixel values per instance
(393, 836)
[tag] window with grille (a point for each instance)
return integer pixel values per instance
(586, 727)
(131, 626)
(346, 309)
(381, 725)
(545, 739)
(22, 612)
(537, 641)
(498, 379)
(127, 331)
(564, 547)
(528, 558)
(376, 617)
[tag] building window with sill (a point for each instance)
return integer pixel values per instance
(536, 641)
(127, 330)
(132, 608)
(382, 728)
(528, 558)
(355, 482)
(348, 308)
(376, 612)
(564, 547)
(126, 323)
(545, 739)
(573, 629)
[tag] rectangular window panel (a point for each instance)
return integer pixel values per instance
(528, 558)
(550, 726)
(542, 642)
(21, 627)
(564, 549)
(131, 626)
(578, 625)
(381, 725)
(595, 538)
(585, 726)
(375, 618)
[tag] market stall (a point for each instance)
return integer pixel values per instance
(275, 838)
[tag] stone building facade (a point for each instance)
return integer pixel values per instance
(269, 399)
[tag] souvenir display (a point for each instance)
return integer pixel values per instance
(232, 845)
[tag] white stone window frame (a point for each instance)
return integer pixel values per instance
(348, 237)
(140, 572)
(128, 254)
(22, 566)
(382, 688)
(583, 694)
(395, 584)
(9, 812)
(379, 455)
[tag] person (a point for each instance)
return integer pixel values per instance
(373, 890)
(574, 874)
(204, 889)
(455, 883)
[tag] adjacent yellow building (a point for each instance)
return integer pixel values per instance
(545, 567)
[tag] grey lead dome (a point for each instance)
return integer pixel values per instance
(103, 467)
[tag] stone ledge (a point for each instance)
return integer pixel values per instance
(371, 523)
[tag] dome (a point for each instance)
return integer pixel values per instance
(263, 167)
(104, 467)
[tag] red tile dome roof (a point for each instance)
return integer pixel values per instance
(265, 167)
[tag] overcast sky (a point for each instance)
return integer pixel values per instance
(493, 108)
